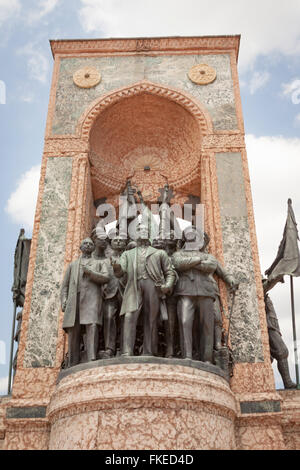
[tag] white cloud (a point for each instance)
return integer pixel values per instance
(275, 168)
(37, 63)
(3, 385)
(258, 80)
(22, 202)
(266, 26)
(9, 9)
(292, 90)
(274, 165)
(44, 7)
(99, 16)
(288, 88)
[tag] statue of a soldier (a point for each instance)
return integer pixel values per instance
(81, 300)
(197, 291)
(17, 338)
(278, 349)
(150, 276)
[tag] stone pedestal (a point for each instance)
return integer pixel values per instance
(142, 406)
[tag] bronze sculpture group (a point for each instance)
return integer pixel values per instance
(148, 297)
(159, 291)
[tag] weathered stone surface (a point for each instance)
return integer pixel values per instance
(172, 70)
(142, 406)
(245, 331)
(42, 332)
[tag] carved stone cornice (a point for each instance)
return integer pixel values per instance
(144, 45)
(223, 141)
(65, 144)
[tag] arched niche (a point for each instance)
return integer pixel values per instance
(150, 135)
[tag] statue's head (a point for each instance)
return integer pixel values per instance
(159, 243)
(195, 236)
(87, 246)
(142, 232)
(118, 243)
(100, 238)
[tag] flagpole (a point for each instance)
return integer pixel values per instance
(294, 332)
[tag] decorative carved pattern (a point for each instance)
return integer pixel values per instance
(146, 44)
(87, 77)
(65, 144)
(219, 141)
(199, 113)
(186, 180)
(202, 74)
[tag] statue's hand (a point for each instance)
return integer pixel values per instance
(116, 266)
(233, 285)
(166, 290)
(87, 270)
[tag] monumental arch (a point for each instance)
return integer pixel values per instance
(152, 110)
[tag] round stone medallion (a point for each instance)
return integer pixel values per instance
(202, 74)
(87, 77)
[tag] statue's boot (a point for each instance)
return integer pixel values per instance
(129, 334)
(110, 327)
(283, 368)
(92, 340)
(218, 338)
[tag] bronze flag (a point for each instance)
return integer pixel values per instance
(287, 261)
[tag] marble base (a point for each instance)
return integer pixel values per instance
(121, 360)
(142, 406)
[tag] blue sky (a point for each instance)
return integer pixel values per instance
(269, 68)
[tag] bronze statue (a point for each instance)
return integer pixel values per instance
(278, 349)
(112, 294)
(21, 261)
(218, 328)
(17, 338)
(150, 276)
(197, 290)
(81, 300)
(169, 244)
(127, 211)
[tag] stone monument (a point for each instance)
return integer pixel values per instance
(152, 111)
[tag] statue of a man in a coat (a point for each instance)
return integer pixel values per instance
(197, 291)
(150, 276)
(81, 300)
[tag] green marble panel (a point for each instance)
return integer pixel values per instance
(245, 326)
(45, 305)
